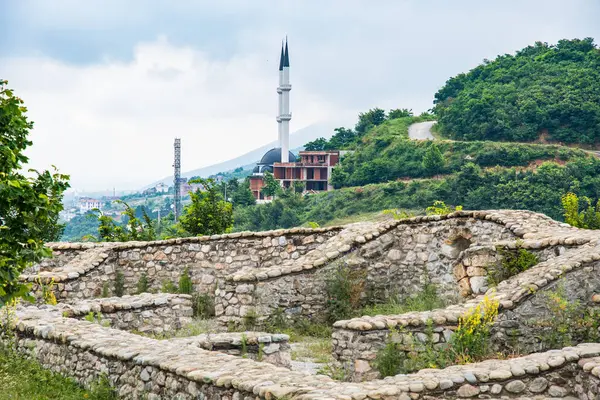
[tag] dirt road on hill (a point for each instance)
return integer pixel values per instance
(421, 130)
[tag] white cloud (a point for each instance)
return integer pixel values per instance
(113, 124)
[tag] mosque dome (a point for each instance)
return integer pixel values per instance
(274, 155)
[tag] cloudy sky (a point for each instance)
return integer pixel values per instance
(110, 83)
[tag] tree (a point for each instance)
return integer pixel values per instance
(29, 205)
(433, 160)
(209, 213)
(369, 119)
(400, 113)
(242, 195)
(272, 186)
(316, 145)
(134, 228)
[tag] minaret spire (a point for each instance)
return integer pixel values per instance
(286, 57)
(281, 58)
(284, 114)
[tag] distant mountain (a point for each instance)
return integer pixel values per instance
(297, 140)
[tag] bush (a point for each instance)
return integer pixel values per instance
(119, 288)
(469, 343)
(203, 305)
(185, 282)
(344, 288)
(513, 263)
(142, 285)
(169, 287)
(569, 323)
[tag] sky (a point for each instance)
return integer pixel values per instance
(110, 83)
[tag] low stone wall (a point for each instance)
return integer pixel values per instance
(259, 346)
(356, 342)
(141, 367)
(146, 313)
(209, 260)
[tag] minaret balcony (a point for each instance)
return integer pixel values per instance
(285, 117)
(284, 87)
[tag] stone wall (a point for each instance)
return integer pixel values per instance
(140, 367)
(90, 267)
(146, 313)
(521, 304)
(398, 263)
(258, 346)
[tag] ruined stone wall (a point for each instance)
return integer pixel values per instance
(259, 346)
(526, 327)
(146, 313)
(209, 260)
(521, 299)
(398, 263)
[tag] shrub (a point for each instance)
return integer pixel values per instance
(427, 299)
(471, 339)
(47, 291)
(469, 343)
(344, 288)
(119, 289)
(185, 282)
(203, 305)
(105, 290)
(569, 323)
(169, 287)
(440, 208)
(513, 263)
(389, 360)
(587, 218)
(142, 285)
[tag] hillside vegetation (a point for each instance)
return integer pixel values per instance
(542, 92)
(385, 154)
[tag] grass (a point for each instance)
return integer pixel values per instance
(427, 300)
(25, 379)
(198, 326)
(317, 350)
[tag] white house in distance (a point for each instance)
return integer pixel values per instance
(87, 204)
(161, 188)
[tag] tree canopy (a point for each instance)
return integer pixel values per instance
(209, 213)
(29, 205)
(543, 92)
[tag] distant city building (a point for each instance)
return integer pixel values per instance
(161, 188)
(187, 187)
(87, 204)
(313, 168)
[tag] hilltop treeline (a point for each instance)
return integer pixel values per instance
(542, 92)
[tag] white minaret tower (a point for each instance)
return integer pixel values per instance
(285, 115)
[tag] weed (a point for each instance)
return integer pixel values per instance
(168, 287)
(244, 345)
(469, 343)
(398, 214)
(344, 287)
(203, 305)
(47, 291)
(335, 371)
(119, 289)
(185, 282)
(22, 378)
(250, 320)
(261, 352)
(105, 290)
(440, 208)
(427, 299)
(143, 285)
(513, 263)
(570, 322)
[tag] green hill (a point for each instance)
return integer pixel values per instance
(543, 92)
